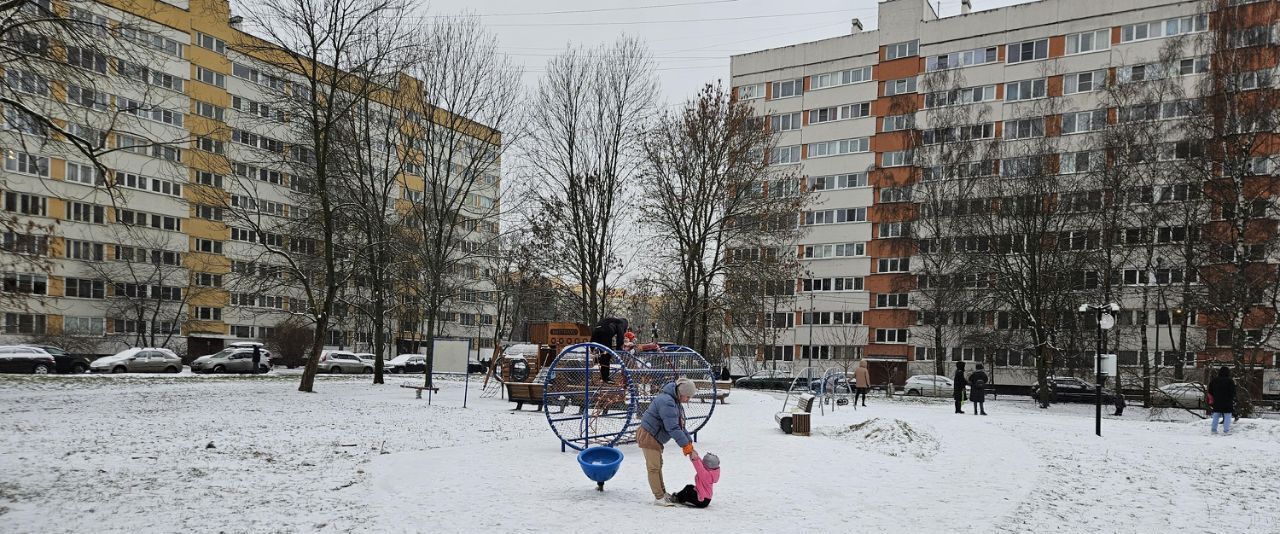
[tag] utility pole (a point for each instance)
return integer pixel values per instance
(1105, 320)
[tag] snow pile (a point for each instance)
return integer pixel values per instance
(888, 436)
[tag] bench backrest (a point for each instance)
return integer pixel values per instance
(805, 403)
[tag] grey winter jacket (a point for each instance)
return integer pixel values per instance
(665, 417)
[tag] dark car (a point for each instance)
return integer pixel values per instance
(407, 363)
(66, 363)
(1072, 389)
(23, 359)
(766, 379)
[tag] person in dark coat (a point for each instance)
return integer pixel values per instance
(1119, 402)
(959, 384)
(610, 332)
(977, 393)
(1222, 392)
(257, 358)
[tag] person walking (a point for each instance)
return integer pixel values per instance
(610, 332)
(977, 390)
(257, 359)
(662, 422)
(1119, 400)
(959, 383)
(1222, 399)
(862, 381)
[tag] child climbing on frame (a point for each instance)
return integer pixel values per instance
(698, 494)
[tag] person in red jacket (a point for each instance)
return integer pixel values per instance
(698, 494)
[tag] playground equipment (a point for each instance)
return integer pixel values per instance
(608, 413)
(835, 389)
(600, 464)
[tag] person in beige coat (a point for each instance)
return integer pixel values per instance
(862, 379)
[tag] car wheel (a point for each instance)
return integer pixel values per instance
(40, 369)
(219, 368)
(171, 369)
(367, 370)
(335, 370)
(264, 369)
(120, 369)
(913, 393)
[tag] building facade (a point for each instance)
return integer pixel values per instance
(146, 251)
(837, 106)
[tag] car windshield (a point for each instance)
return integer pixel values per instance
(223, 353)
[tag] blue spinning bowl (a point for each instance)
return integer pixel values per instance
(600, 464)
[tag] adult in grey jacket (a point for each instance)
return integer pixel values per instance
(662, 422)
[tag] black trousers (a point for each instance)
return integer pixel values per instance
(689, 496)
(959, 403)
(605, 360)
(860, 392)
(604, 337)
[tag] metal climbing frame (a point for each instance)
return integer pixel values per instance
(608, 413)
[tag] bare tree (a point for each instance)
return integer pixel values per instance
(760, 288)
(708, 186)
(587, 125)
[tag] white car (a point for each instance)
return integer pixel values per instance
(1181, 394)
(929, 386)
(366, 357)
(138, 360)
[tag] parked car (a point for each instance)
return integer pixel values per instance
(366, 357)
(233, 359)
(1181, 394)
(766, 379)
(929, 386)
(138, 360)
(837, 384)
(25, 359)
(407, 363)
(341, 361)
(474, 367)
(1072, 389)
(66, 363)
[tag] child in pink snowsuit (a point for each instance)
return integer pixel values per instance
(698, 494)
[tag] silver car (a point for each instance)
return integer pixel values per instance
(232, 360)
(1182, 395)
(341, 361)
(929, 386)
(138, 360)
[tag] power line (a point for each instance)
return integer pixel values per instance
(600, 10)
(679, 21)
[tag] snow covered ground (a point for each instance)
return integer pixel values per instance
(131, 454)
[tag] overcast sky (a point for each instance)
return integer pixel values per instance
(690, 47)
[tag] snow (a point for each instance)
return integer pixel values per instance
(130, 454)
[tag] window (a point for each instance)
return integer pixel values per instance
(208, 280)
(834, 113)
(1255, 36)
(209, 213)
(87, 59)
(1246, 81)
(835, 250)
(1077, 162)
(23, 323)
(836, 148)
(85, 97)
(959, 133)
(26, 204)
(153, 40)
(208, 314)
(840, 283)
(898, 50)
(83, 250)
(785, 155)
(205, 109)
(1081, 43)
(209, 179)
(836, 216)
(898, 158)
(1024, 90)
(26, 81)
(1189, 66)
(898, 87)
(24, 163)
(85, 289)
(895, 194)
(213, 146)
(208, 246)
(18, 243)
(216, 79)
(838, 181)
(785, 122)
(83, 174)
(891, 335)
(891, 300)
(211, 43)
(893, 229)
(751, 92)
(1027, 51)
(1163, 28)
(31, 284)
(1083, 82)
(893, 265)
(893, 123)
(1084, 121)
(788, 88)
(844, 77)
(1024, 128)
(968, 95)
(84, 326)
(977, 56)
(83, 212)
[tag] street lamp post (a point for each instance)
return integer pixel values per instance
(1105, 321)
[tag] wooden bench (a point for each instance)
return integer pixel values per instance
(525, 392)
(804, 405)
(430, 390)
(704, 390)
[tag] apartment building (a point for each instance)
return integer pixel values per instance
(835, 104)
(141, 252)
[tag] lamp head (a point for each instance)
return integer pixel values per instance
(1084, 308)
